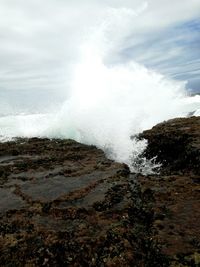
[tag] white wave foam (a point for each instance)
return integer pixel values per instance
(108, 103)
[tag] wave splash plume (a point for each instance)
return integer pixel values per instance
(109, 101)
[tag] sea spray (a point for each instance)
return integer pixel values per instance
(108, 101)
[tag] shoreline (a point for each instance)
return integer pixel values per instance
(65, 204)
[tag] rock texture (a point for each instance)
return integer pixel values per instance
(176, 144)
(176, 190)
(65, 204)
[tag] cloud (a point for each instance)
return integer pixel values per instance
(173, 51)
(40, 40)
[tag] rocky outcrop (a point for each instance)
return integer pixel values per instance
(176, 190)
(176, 144)
(65, 204)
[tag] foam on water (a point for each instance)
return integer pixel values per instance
(109, 102)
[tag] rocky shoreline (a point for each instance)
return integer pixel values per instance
(176, 190)
(65, 204)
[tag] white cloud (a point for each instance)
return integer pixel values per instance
(40, 40)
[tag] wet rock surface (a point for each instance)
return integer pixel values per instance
(66, 204)
(176, 190)
(176, 144)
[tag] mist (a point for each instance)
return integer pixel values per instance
(88, 71)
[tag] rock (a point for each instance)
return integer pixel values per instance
(176, 189)
(66, 204)
(176, 144)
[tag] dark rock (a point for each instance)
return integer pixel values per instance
(66, 204)
(176, 191)
(176, 144)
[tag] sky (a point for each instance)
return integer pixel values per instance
(41, 41)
